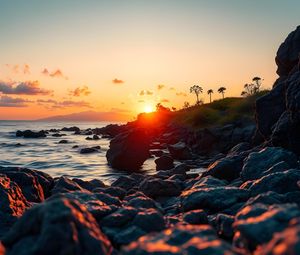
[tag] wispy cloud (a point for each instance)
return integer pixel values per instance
(145, 93)
(23, 88)
(54, 74)
(6, 101)
(164, 100)
(160, 86)
(117, 81)
(181, 94)
(53, 104)
(16, 69)
(80, 91)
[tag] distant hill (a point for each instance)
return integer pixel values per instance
(90, 116)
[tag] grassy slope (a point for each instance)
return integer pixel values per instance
(218, 113)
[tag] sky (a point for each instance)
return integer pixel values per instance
(65, 56)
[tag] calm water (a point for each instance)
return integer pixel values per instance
(58, 159)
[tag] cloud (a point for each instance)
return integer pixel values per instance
(172, 88)
(160, 86)
(145, 93)
(117, 81)
(164, 101)
(6, 101)
(54, 74)
(50, 103)
(119, 110)
(181, 94)
(23, 88)
(25, 69)
(84, 91)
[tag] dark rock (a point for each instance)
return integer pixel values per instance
(196, 217)
(213, 199)
(95, 137)
(58, 135)
(241, 147)
(13, 203)
(142, 202)
(180, 151)
(90, 150)
(89, 185)
(149, 220)
(71, 129)
(156, 153)
(225, 226)
(64, 185)
(178, 240)
(128, 151)
(63, 141)
(228, 168)
(113, 191)
(31, 134)
(256, 225)
(164, 163)
(127, 235)
(259, 162)
(59, 226)
(125, 182)
(119, 218)
(156, 187)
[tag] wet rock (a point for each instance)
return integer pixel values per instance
(13, 203)
(180, 151)
(227, 168)
(119, 218)
(89, 185)
(178, 240)
(58, 135)
(90, 150)
(63, 141)
(142, 202)
(149, 220)
(127, 235)
(71, 129)
(196, 217)
(164, 163)
(256, 225)
(241, 147)
(225, 226)
(259, 162)
(125, 182)
(128, 151)
(95, 137)
(281, 182)
(59, 226)
(31, 134)
(155, 187)
(213, 199)
(64, 185)
(113, 191)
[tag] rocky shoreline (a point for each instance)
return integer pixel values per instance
(246, 201)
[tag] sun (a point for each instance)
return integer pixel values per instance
(148, 108)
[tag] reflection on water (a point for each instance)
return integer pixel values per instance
(56, 159)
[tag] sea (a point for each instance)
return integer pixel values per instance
(47, 155)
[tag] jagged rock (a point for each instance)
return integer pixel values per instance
(125, 182)
(196, 217)
(180, 151)
(225, 226)
(128, 151)
(59, 226)
(258, 162)
(164, 163)
(119, 218)
(178, 240)
(149, 220)
(255, 225)
(227, 168)
(64, 185)
(89, 185)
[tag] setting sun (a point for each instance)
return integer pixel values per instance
(148, 108)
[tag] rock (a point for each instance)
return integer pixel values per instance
(125, 182)
(258, 162)
(142, 202)
(89, 185)
(241, 147)
(111, 130)
(95, 137)
(256, 225)
(196, 217)
(13, 203)
(113, 191)
(156, 153)
(156, 187)
(213, 199)
(31, 134)
(59, 226)
(119, 218)
(282, 182)
(227, 168)
(225, 226)
(178, 240)
(71, 129)
(127, 235)
(90, 150)
(128, 151)
(64, 185)
(149, 220)
(63, 141)
(58, 135)
(164, 163)
(283, 243)
(180, 151)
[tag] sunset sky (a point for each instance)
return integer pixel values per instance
(66, 56)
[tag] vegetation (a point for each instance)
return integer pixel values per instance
(221, 90)
(209, 92)
(252, 88)
(197, 90)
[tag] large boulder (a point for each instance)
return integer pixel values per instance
(58, 226)
(31, 134)
(180, 151)
(164, 162)
(257, 163)
(128, 151)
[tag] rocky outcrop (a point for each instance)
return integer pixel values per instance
(128, 151)
(31, 134)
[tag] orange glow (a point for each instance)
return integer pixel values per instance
(149, 108)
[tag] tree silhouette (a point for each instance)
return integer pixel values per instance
(252, 88)
(209, 92)
(197, 90)
(186, 105)
(221, 90)
(244, 94)
(257, 81)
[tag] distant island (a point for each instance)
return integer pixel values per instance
(90, 116)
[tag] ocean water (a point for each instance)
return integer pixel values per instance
(47, 155)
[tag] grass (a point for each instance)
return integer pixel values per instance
(219, 112)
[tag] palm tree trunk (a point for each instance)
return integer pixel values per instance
(223, 95)
(210, 98)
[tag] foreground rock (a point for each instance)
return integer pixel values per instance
(59, 226)
(129, 150)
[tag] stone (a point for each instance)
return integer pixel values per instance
(31, 134)
(90, 150)
(164, 163)
(180, 151)
(196, 217)
(149, 220)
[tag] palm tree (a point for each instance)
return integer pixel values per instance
(197, 90)
(221, 90)
(209, 92)
(257, 80)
